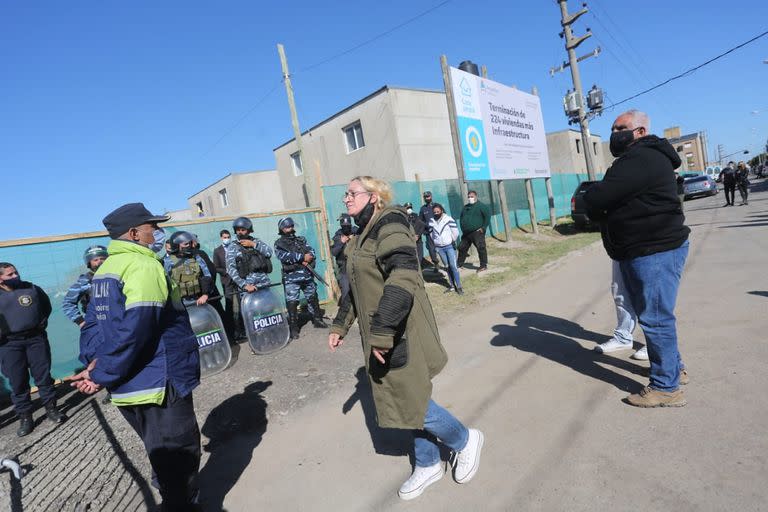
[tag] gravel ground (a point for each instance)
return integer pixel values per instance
(95, 461)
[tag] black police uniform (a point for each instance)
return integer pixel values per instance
(24, 347)
(337, 251)
(426, 214)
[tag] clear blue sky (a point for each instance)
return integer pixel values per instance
(103, 103)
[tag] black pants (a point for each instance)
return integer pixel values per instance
(743, 191)
(18, 359)
(431, 249)
(172, 440)
(476, 238)
(420, 252)
(730, 192)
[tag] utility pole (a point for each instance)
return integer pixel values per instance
(720, 154)
(571, 44)
(305, 170)
(454, 127)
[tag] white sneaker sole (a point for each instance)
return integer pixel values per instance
(419, 490)
(640, 356)
(476, 465)
(615, 348)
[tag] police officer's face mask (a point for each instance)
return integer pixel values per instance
(13, 282)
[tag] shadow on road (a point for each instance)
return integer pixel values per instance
(551, 337)
(234, 428)
(758, 293)
(386, 441)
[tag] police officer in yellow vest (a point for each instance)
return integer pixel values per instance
(24, 348)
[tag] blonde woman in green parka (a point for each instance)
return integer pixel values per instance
(401, 343)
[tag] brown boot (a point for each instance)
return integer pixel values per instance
(649, 397)
(684, 378)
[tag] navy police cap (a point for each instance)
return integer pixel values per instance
(130, 216)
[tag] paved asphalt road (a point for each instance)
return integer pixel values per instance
(558, 436)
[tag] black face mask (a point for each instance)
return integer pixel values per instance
(364, 217)
(290, 232)
(346, 230)
(244, 237)
(13, 283)
(438, 215)
(187, 252)
(620, 141)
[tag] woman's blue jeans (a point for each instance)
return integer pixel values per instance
(439, 425)
(652, 282)
(448, 256)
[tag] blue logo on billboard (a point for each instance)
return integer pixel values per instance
(473, 149)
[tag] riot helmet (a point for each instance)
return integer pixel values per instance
(93, 252)
(242, 223)
(285, 223)
(179, 238)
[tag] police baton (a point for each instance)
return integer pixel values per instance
(315, 274)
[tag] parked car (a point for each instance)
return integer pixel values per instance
(699, 186)
(578, 208)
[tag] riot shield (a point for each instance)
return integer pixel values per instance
(265, 322)
(215, 352)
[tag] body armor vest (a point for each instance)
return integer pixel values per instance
(186, 273)
(20, 310)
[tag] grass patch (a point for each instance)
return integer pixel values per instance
(524, 254)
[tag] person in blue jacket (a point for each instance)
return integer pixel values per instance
(76, 300)
(138, 343)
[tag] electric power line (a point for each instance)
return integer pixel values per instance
(242, 118)
(689, 71)
(374, 38)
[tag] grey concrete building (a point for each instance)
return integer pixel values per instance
(239, 193)
(394, 133)
(566, 152)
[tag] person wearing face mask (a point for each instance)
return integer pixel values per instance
(248, 258)
(188, 270)
(295, 255)
(742, 182)
(138, 343)
(24, 347)
(643, 229)
(426, 215)
(340, 239)
(400, 339)
(474, 221)
(231, 305)
(419, 228)
(75, 302)
(444, 233)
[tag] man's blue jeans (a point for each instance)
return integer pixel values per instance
(448, 255)
(441, 425)
(652, 282)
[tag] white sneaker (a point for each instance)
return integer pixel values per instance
(420, 479)
(641, 354)
(612, 345)
(468, 459)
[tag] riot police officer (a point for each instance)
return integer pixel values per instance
(76, 300)
(24, 347)
(340, 239)
(295, 255)
(248, 258)
(426, 215)
(187, 269)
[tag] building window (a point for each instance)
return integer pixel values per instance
(594, 147)
(298, 170)
(224, 197)
(687, 145)
(354, 137)
(578, 146)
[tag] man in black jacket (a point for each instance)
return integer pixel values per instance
(642, 227)
(426, 215)
(728, 177)
(235, 330)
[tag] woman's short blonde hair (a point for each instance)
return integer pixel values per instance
(376, 186)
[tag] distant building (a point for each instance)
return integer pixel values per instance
(566, 152)
(394, 133)
(180, 215)
(691, 148)
(238, 193)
